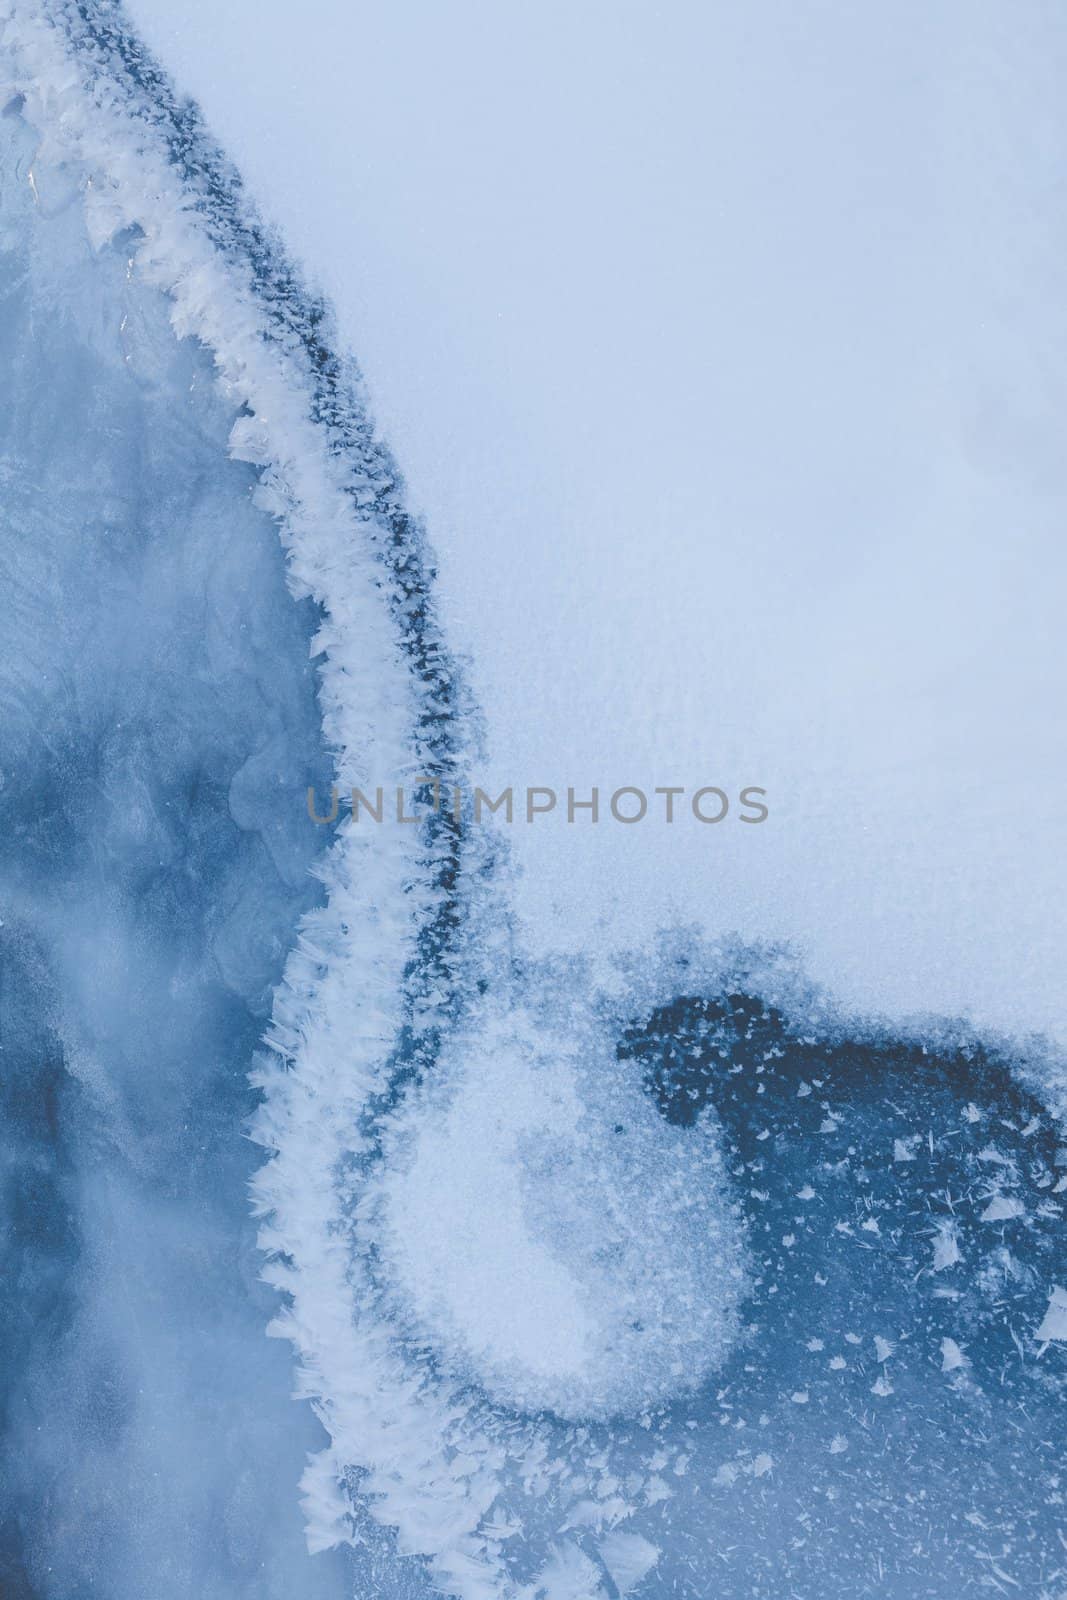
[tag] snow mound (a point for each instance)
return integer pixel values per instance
(550, 1236)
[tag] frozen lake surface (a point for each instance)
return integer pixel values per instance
(616, 1255)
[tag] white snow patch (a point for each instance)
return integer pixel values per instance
(550, 1235)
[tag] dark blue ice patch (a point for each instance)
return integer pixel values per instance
(904, 1207)
(158, 727)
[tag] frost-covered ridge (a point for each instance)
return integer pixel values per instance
(371, 985)
(389, 690)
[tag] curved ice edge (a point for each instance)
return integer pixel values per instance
(392, 697)
(456, 1497)
(377, 961)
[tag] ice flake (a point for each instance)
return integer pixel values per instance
(1054, 1325)
(629, 1558)
(946, 1247)
(569, 1575)
(952, 1356)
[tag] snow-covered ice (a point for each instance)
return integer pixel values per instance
(549, 1234)
(650, 1267)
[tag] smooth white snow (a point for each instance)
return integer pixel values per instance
(726, 350)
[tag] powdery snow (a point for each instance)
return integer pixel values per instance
(549, 1234)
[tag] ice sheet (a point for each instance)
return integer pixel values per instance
(491, 1177)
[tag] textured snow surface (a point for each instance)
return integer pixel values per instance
(648, 1273)
(554, 1239)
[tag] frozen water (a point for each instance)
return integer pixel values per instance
(157, 722)
(642, 1274)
